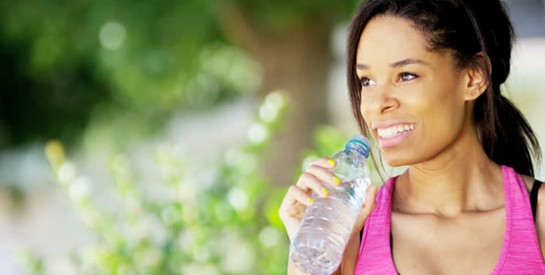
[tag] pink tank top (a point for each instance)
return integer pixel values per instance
(520, 254)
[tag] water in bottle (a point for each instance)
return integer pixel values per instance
(326, 226)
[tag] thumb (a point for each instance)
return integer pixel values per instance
(368, 206)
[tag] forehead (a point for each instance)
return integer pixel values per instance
(390, 38)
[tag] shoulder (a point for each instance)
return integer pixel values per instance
(529, 182)
(540, 212)
(540, 207)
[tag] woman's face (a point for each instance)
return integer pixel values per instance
(414, 101)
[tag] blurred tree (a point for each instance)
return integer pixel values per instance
(56, 104)
(291, 42)
(64, 60)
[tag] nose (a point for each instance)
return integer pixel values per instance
(378, 100)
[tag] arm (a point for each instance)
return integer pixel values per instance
(350, 255)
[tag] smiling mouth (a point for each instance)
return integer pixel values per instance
(393, 131)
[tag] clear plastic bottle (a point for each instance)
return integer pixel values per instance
(328, 222)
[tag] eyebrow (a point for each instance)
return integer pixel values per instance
(396, 64)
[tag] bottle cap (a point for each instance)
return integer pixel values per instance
(363, 141)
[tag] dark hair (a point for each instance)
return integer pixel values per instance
(467, 29)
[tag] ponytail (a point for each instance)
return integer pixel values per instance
(506, 135)
(509, 140)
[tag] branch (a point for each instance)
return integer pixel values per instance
(238, 28)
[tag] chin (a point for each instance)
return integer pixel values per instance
(397, 161)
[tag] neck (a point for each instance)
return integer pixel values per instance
(459, 180)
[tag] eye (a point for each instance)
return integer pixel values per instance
(365, 81)
(407, 76)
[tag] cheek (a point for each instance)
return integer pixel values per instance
(368, 104)
(441, 116)
(365, 113)
(437, 98)
(440, 120)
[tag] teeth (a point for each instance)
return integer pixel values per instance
(394, 130)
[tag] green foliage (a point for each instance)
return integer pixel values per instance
(328, 141)
(284, 14)
(33, 265)
(197, 218)
(218, 218)
(62, 61)
(143, 50)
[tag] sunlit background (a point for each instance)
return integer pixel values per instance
(142, 137)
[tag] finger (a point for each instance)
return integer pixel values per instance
(308, 181)
(300, 196)
(292, 209)
(324, 175)
(328, 163)
(370, 197)
(368, 206)
(293, 196)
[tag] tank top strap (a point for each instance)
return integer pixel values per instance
(533, 196)
(521, 253)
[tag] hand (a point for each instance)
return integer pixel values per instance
(368, 206)
(318, 178)
(351, 251)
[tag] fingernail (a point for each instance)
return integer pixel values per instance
(325, 192)
(310, 200)
(337, 181)
(331, 162)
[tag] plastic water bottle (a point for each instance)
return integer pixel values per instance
(329, 221)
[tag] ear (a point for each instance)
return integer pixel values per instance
(477, 80)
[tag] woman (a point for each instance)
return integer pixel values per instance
(424, 79)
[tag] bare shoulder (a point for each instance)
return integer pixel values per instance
(540, 212)
(540, 209)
